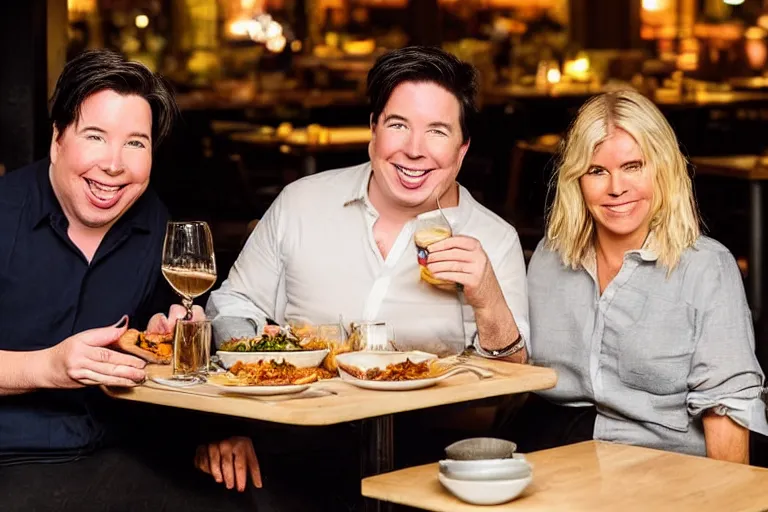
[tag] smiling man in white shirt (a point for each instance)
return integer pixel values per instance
(341, 242)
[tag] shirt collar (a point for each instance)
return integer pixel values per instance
(359, 192)
(457, 215)
(648, 253)
(48, 206)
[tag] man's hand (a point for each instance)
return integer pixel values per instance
(85, 360)
(161, 324)
(462, 260)
(230, 461)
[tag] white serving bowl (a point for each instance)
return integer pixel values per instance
(492, 492)
(298, 358)
(485, 470)
(368, 360)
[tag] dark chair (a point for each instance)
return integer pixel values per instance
(531, 168)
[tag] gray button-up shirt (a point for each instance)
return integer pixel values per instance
(313, 257)
(654, 351)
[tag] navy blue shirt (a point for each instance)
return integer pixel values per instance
(49, 291)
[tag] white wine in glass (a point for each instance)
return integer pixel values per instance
(189, 263)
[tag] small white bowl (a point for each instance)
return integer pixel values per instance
(492, 492)
(298, 358)
(485, 470)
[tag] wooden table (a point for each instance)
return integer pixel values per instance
(754, 170)
(596, 476)
(347, 403)
(341, 402)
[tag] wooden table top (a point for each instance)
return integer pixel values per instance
(596, 476)
(746, 167)
(340, 402)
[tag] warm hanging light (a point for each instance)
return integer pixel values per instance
(276, 44)
(654, 5)
(733, 2)
(553, 75)
(81, 5)
(142, 21)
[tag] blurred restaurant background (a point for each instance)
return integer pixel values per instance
(272, 90)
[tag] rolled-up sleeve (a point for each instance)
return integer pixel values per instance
(725, 375)
(249, 295)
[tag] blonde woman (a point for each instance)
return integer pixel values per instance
(644, 319)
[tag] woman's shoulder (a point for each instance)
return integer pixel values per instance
(707, 254)
(546, 260)
(709, 273)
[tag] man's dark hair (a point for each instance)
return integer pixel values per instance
(97, 70)
(424, 64)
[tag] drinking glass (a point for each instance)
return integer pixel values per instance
(191, 349)
(189, 264)
(431, 228)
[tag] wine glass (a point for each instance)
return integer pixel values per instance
(189, 264)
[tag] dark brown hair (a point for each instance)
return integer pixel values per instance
(424, 64)
(97, 70)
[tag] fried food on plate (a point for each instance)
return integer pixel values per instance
(270, 373)
(407, 370)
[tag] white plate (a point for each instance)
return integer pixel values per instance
(404, 385)
(298, 358)
(385, 385)
(261, 390)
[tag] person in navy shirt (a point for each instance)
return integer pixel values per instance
(80, 252)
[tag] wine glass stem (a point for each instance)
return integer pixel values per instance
(188, 305)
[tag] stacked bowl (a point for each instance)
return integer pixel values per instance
(484, 471)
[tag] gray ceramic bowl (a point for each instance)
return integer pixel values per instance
(481, 448)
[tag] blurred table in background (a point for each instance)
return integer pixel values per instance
(309, 142)
(753, 169)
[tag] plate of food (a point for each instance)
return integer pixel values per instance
(396, 371)
(152, 347)
(275, 344)
(264, 378)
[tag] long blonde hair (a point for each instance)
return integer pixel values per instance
(673, 214)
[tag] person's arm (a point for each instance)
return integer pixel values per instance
(725, 439)
(496, 290)
(248, 297)
(20, 372)
(80, 360)
(497, 329)
(726, 380)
